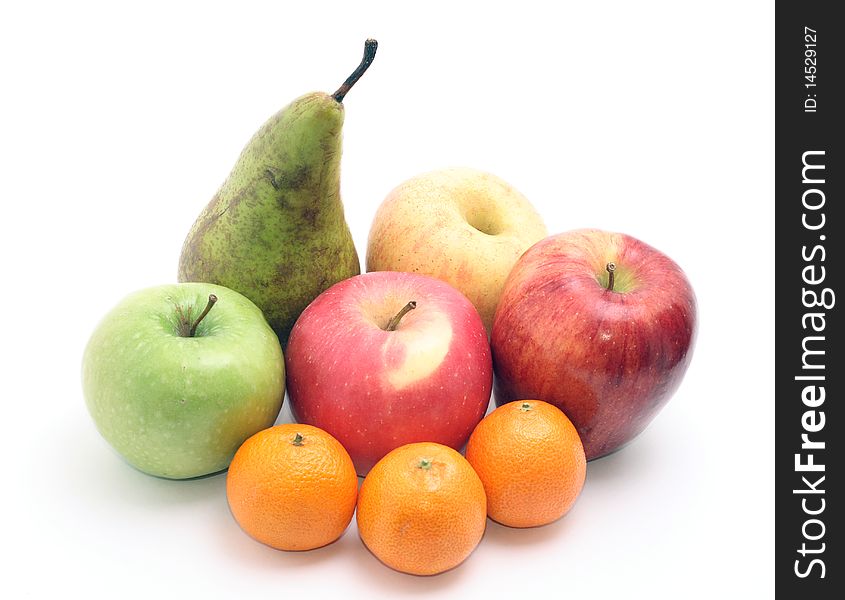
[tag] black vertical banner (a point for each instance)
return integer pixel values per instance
(809, 170)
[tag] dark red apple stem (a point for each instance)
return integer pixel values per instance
(212, 299)
(611, 267)
(370, 47)
(394, 322)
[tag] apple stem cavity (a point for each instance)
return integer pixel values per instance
(297, 439)
(394, 322)
(212, 299)
(370, 47)
(611, 268)
(425, 463)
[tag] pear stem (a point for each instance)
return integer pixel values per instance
(611, 267)
(212, 299)
(393, 323)
(370, 47)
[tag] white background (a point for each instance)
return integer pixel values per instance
(652, 118)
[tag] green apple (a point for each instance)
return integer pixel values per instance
(177, 376)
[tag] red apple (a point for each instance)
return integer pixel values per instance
(385, 359)
(599, 324)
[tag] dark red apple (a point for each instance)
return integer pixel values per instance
(385, 359)
(599, 324)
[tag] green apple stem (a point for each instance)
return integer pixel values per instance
(212, 299)
(394, 322)
(611, 267)
(370, 47)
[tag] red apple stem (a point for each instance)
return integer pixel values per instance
(212, 299)
(370, 47)
(394, 322)
(611, 267)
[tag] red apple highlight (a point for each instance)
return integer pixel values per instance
(599, 324)
(386, 359)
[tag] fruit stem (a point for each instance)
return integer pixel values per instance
(212, 299)
(425, 463)
(393, 323)
(611, 267)
(297, 440)
(525, 407)
(370, 47)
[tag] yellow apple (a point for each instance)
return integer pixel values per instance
(462, 226)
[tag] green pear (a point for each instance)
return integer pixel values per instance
(275, 231)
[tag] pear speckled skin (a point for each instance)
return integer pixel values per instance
(276, 231)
